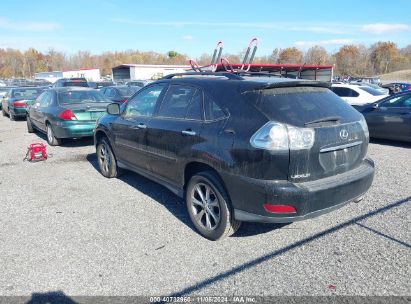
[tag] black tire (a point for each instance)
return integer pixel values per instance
(51, 138)
(225, 225)
(106, 159)
(3, 112)
(11, 116)
(30, 128)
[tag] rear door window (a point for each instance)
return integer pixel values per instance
(300, 105)
(46, 100)
(177, 101)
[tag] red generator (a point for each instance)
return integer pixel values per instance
(36, 152)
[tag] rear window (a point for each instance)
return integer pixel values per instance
(299, 105)
(75, 84)
(26, 93)
(128, 91)
(69, 97)
(372, 91)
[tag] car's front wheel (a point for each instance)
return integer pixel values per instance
(209, 206)
(51, 138)
(106, 159)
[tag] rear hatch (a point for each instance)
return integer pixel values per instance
(340, 143)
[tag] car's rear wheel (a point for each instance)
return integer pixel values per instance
(209, 206)
(106, 159)
(12, 116)
(51, 138)
(30, 128)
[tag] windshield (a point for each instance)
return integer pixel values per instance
(26, 93)
(300, 105)
(69, 97)
(372, 91)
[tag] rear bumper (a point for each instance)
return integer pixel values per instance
(310, 199)
(19, 112)
(74, 129)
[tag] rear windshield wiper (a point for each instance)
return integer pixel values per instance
(331, 119)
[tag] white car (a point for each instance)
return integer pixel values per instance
(357, 95)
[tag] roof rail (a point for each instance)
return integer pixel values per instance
(261, 74)
(232, 76)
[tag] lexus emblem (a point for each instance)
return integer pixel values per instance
(343, 134)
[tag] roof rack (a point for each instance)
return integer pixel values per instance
(294, 71)
(232, 76)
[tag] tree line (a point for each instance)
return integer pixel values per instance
(351, 59)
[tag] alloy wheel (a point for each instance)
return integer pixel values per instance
(104, 158)
(205, 206)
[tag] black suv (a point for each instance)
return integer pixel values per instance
(240, 148)
(71, 82)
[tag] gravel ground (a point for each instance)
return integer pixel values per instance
(65, 228)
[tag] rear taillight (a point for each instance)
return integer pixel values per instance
(19, 104)
(67, 115)
(123, 100)
(277, 137)
(279, 208)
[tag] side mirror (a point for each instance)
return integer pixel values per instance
(113, 109)
(375, 106)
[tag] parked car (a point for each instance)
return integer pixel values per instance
(66, 113)
(396, 87)
(357, 95)
(239, 149)
(138, 83)
(15, 100)
(389, 118)
(373, 80)
(71, 82)
(3, 92)
(100, 84)
(119, 94)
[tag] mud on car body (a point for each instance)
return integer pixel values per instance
(239, 148)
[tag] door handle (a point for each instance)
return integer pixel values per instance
(188, 132)
(139, 126)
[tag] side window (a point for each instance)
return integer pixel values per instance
(342, 92)
(400, 101)
(195, 109)
(353, 93)
(45, 100)
(176, 101)
(143, 103)
(212, 110)
(109, 93)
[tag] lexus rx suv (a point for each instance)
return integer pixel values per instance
(240, 148)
